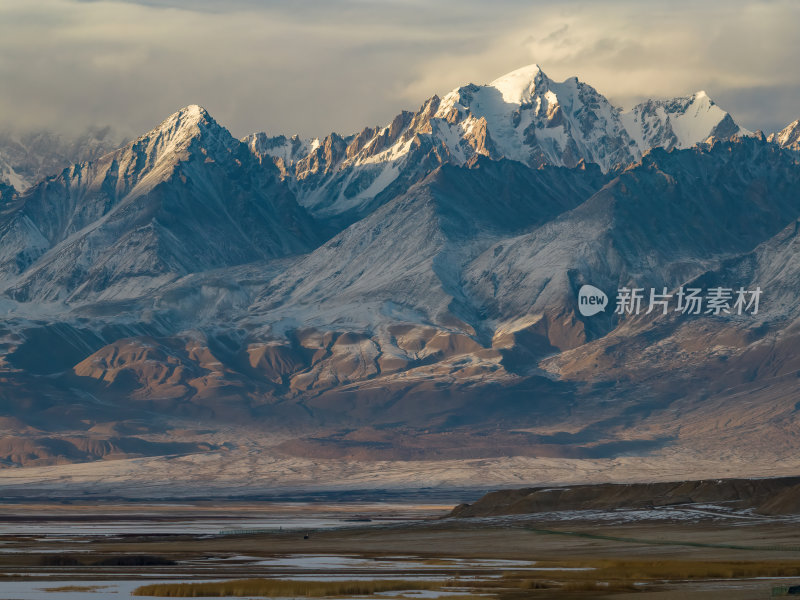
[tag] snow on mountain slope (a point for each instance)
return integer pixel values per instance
(381, 301)
(10, 176)
(468, 278)
(340, 175)
(183, 198)
(678, 123)
(403, 261)
(709, 381)
(788, 137)
(660, 223)
(27, 158)
(774, 266)
(283, 151)
(537, 121)
(179, 278)
(476, 249)
(523, 116)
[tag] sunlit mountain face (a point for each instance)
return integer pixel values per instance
(412, 291)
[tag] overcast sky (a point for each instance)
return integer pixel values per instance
(316, 66)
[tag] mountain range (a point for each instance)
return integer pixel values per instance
(408, 292)
(27, 158)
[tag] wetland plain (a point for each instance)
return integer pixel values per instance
(384, 549)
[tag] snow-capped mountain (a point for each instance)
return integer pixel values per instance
(428, 235)
(523, 115)
(491, 255)
(788, 137)
(678, 123)
(535, 120)
(530, 118)
(183, 198)
(411, 281)
(659, 224)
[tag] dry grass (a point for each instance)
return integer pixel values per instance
(534, 587)
(599, 586)
(652, 570)
(620, 576)
(75, 588)
(282, 588)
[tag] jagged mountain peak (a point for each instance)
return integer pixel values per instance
(788, 137)
(190, 134)
(680, 122)
(181, 127)
(188, 116)
(523, 115)
(186, 196)
(284, 151)
(519, 86)
(526, 116)
(179, 275)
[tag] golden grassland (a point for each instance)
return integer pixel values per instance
(661, 569)
(282, 588)
(599, 577)
(625, 576)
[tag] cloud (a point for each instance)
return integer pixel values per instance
(741, 53)
(316, 66)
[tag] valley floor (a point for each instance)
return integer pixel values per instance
(107, 550)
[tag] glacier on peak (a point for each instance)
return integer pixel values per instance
(518, 86)
(536, 120)
(522, 115)
(680, 122)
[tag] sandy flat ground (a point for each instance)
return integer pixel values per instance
(253, 470)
